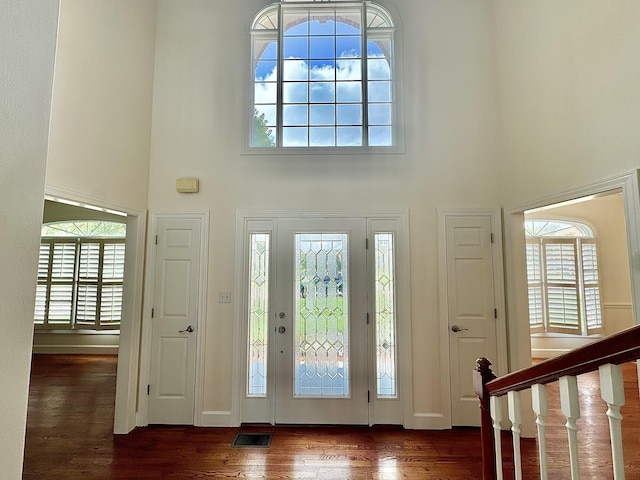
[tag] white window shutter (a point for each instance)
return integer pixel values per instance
(561, 273)
(591, 287)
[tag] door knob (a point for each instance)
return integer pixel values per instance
(456, 328)
(189, 329)
(281, 329)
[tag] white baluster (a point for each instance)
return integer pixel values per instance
(612, 391)
(496, 416)
(571, 410)
(539, 403)
(515, 415)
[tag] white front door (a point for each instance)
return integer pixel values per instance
(320, 324)
(174, 321)
(471, 308)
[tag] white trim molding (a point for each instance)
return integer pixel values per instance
(443, 301)
(243, 219)
(214, 418)
(515, 268)
(129, 342)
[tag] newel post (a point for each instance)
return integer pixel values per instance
(481, 376)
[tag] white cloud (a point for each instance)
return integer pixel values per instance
(325, 83)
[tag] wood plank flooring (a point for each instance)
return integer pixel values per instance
(70, 421)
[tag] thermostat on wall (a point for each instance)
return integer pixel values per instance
(187, 185)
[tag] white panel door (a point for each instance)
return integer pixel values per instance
(174, 322)
(320, 326)
(471, 309)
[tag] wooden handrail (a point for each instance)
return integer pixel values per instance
(616, 349)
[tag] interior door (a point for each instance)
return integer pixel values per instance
(471, 308)
(320, 336)
(174, 322)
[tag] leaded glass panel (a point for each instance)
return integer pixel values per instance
(321, 315)
(385, 312)
(258, 314)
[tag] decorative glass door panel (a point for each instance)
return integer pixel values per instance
(321, 322)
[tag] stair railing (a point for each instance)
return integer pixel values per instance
(605, 355)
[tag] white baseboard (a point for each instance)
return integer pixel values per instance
(214, 418)
(428, 421)
(547, 352)
(76, 349)
(419, 421)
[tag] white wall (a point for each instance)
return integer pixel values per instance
(567, 81)
(101, 112)
(27, 49)
(568, 76)
(199, 88)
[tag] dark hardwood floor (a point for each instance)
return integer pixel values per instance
(70, 421)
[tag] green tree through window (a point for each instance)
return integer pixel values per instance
(262, 134)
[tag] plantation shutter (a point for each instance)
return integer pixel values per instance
(591, 286)
(42, 290)
(561, 272)
(60, 294)
(89, 273)
(534, 276)
(80, 284)
(111, 286)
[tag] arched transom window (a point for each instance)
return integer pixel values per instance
(562, 273)
(323, 76)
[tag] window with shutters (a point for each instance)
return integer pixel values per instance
(80, 276)
(323, 78)
(562, 273)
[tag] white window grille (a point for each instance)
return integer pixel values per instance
(323, 76)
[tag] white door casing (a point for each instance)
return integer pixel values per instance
(175, 320)
(472, 301)
(252, 407)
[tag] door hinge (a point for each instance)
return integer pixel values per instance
(495, 313)
(148, 389)
(366, 244)
(493, 240)
(368, 396)
(156, 239)
(367, 318)
(152, 312)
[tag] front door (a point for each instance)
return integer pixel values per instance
(471, 308)
(175, 321)
(320, 325)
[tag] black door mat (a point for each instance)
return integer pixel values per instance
(261, 440)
